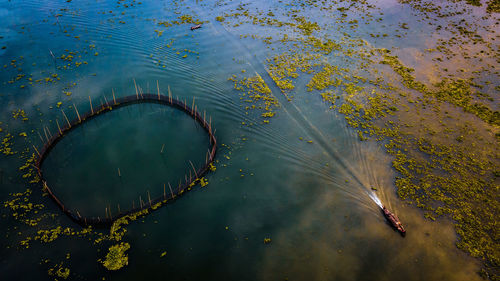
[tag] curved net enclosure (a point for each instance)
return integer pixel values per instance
(169, 192)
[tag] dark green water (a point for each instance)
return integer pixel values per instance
(312, 199)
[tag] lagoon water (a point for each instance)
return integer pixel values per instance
(313, 199)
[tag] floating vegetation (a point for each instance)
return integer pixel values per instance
(59, 271)
(446, 173)
(433, 106)
(254, 90)
(116, 257)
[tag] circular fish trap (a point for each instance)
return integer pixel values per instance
(153, 203)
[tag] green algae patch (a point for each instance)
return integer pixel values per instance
(116, 257)
(59, 271)
(254, 91)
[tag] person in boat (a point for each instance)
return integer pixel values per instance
(196, 26)
(394, 220)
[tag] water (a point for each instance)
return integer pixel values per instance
(314, 200)
(375, 199)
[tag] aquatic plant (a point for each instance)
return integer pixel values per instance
(116, 257)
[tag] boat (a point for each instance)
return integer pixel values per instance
(393, 220)
(196, 26)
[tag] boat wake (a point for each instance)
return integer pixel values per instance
(375, 199)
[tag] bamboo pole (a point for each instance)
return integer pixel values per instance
(169, 94)
(50, 133)
(45, 132)
(107, 104)
(192, 106)
(91, 108)
(114, 99)
(59, 127)
(76, 109)
(140, 201)
(66, 117)
(119, 174)
(119, 211)
(149, 198)
(136, 92)
(194, 170)
(158, 87)
(164, 194)
(36, 150)
(163, 146)
(40, 136)
(170, 187)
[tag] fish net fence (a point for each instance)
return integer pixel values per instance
(169, 192)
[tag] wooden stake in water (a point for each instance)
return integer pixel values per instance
(36, 150)
(45, 132)
(119, 211)
(119, 174)
(140, 201)
(164, 193)
(163, 146)
(65, 117)
(171, 192)
(107, 104)
(149, 198)
(50, 134)
(136, 92)
(91, 108)
(78, 114)
(194, 170)
(114, 99)
(158, 87)
(40, 136)
(59, 127)
(192, 106)
(169, 94)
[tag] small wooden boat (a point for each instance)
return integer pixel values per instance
(393, 220)
(196, 26)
